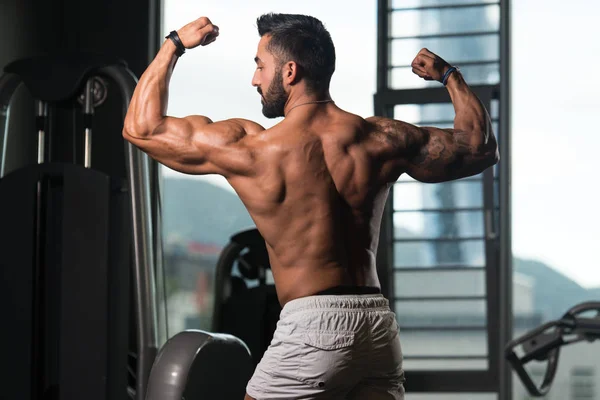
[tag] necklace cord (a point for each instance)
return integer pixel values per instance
(310, 102)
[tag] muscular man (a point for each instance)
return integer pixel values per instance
(315, 184)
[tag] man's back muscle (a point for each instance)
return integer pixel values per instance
(317, 201)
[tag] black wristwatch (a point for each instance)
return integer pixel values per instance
(180, 48)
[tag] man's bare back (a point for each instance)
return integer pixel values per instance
(315, 185)
(317, 199)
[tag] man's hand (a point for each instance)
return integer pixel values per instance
(429, 66)
(200, 32)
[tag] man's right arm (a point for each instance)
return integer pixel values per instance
(193, 144)
(431, 154)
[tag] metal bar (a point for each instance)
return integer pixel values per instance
(383, 44)
(5, 116)
(154, 28)
(441, 122)
(462, 328)
(385, 255)
(8, 84)
(505, 246)
(87, 160)
(143, 257)
(462, 64)
(155, 38)
(438, 298)
(442, 240)
(492, 315)
(440, 210)
(88, 110)
(490, 230)
(446, 35)
(41, 115)
(445, 381)
(445, 6)
(385, 260)
(475, 178)
(162, 317)
(394, 97)
(446, 357)
(39, 311)
(455, 268)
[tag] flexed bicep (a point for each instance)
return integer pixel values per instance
(443, 156)
(431, 154)
(196, 145)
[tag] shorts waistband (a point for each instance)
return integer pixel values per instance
(345, 290)
(362, 302)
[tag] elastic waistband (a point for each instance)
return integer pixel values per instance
(345, 290)
(362, 302)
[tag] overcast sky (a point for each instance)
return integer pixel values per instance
(555, 104)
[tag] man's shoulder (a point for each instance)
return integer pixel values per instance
(250, 127)
(374, 126)
(378, 122)
(385, 125)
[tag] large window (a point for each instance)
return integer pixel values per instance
(443, 240)
(556, 219)
(201, 213)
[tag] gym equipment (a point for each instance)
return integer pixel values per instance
(71, 238)
(543, 344)
(200, 365)
(245, 305)
(69, 235)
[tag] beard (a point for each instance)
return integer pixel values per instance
(275, 99)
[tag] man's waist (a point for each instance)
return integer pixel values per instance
(343, 300)
(348, 290)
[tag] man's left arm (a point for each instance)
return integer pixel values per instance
(431, 154)
(194, 144)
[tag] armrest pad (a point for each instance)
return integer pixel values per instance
(200, 365)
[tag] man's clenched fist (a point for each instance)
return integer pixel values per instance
(200, 32)
(429, 66)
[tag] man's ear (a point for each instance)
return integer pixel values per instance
(291, 73)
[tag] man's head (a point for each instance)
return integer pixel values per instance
(294, 49)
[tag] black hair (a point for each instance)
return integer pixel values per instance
(304, 40)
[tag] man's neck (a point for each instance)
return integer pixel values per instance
(306, 99)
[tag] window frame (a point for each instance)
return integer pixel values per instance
(497, 378)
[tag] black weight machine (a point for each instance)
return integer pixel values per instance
(246, 303)
(76, 245)
(544, 342)
(65, 240)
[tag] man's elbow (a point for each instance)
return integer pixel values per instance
(132, 128)
(126, 132)
(133, 136)
(491, 158)
(139, 130)
(489, 152)
(494, 152)
(485, 159)
(496, 157)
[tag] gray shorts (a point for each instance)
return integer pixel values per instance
(332, 347)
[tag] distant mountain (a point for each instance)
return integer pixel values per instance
(554, 293)
(199, 211)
